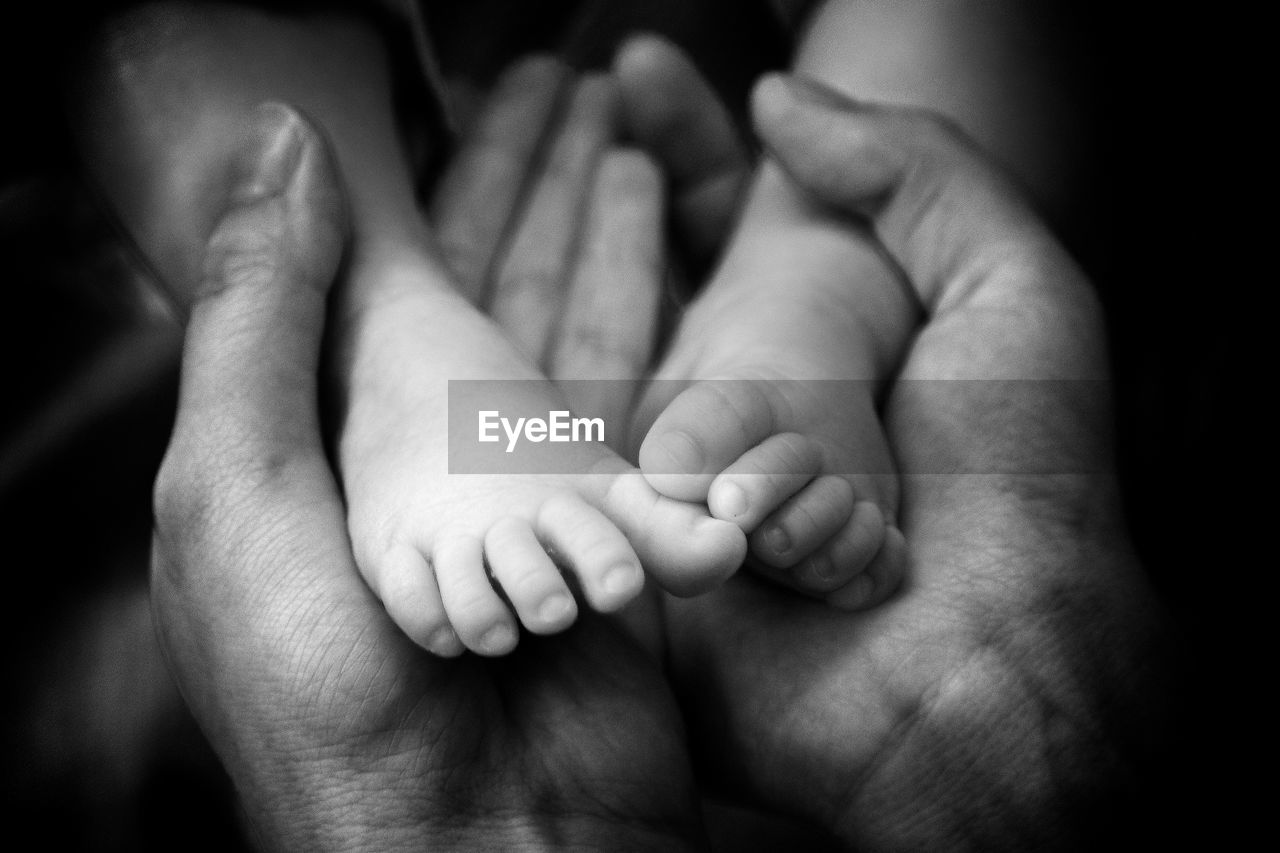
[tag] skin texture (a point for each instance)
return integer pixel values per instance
(337, 730)
(169, 87)
(1011, 695)
(1001, 701)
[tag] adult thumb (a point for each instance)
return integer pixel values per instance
(939, 206)
(252, 349)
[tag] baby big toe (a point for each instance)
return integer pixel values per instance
(686, 551)
(760, 480)
(705, 429)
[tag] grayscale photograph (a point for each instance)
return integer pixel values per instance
(609, 425)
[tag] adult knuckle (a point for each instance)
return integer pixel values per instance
(179, 504)
(197, 490)
(245, 260)
(262, 477)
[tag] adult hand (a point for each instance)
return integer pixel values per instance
(557, 233)
(1010, 694)
(337, 731)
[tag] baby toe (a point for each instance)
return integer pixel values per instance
(592, 547)
(481, 620)
(530, 579)
(846, 554)
(704, 429)
(760, 480)
(685, 550)
(881, 579)
(407, 587)
(804, 522)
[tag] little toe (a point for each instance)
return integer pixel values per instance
(804, 522)
(481, 620)
(592, 547)
(407, 587)
(529, 578)
(704, 429)
(847, 554)
(881, 579)
(760, 480)
(685, 550)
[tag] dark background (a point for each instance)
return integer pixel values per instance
(98, 753)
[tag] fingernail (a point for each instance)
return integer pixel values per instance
(271, 155)
(445, 643)
(555, 608)
(777, 540)
(822, 567)
(496, 640)
(620, 580)
(732, 500)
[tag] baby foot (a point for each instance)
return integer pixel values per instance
(425, 540)
(454, 556)
(778, 432)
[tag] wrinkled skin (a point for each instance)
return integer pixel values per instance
(1006, 695)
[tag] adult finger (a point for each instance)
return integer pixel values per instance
(246, 448)
(673, 113)
(607, 334)
(268, 628)
(1007, 308)
(477, 198)
(252, 347)
(528, 288)
(244, 497)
